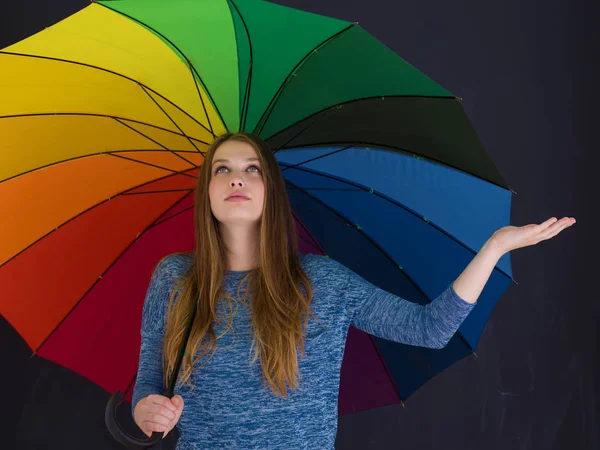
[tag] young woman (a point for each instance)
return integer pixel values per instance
(268, 337)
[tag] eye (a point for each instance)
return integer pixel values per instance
(224, 167)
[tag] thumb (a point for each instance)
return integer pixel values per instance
(177, 401)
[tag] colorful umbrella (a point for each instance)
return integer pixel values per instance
(105, 120)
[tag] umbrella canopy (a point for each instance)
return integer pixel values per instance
(104, 121)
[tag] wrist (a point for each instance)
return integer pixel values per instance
(492, 246)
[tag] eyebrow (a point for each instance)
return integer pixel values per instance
(226, 160)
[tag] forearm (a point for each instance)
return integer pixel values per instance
(471, 281)
(149, 379)
(396, 319)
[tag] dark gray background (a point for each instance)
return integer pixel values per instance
(527, 72)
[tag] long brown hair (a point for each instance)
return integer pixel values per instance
(278, 301)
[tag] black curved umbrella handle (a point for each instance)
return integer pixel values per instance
(117, 431)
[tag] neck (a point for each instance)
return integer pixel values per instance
(242, 246)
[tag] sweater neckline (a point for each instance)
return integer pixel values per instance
(235, 273)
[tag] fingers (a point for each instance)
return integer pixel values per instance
(552, 224)
(556, 228)
(162, 401)
(547, 225)
(160, 421)
(160, 416)
(151, 427)
(157, 413)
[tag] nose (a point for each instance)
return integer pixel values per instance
(236, 179)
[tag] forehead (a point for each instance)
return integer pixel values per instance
(235, 150)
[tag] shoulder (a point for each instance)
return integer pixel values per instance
(167, 272)
(325, 268)
(174, 265)
(321, 262)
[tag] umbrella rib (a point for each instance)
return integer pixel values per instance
(367, 148)
(118, 119)
(307, 231)
(333, 189)
(19, 116)
(385, 366)
(113, 73)
(150, 164)
(367, 145)
(271, 106)
(160, 222)
(81, 157)
(159, 191)
(379, 248)
(246, 101)
(308, 125)
(390, 200)
(87, 210)
(317, 157)
(211, 130)
(373, 144)
(104, 273)
(302, 238)
(314, 213)
(191, 66)
(156, 142)
(347, 102)
(171, 119)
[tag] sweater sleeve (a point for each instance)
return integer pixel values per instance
(150, 374)
(385, 315)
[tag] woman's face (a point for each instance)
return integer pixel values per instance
(236, 168)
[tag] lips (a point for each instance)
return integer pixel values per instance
(237, 196)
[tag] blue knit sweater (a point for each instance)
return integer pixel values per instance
(230, 408)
